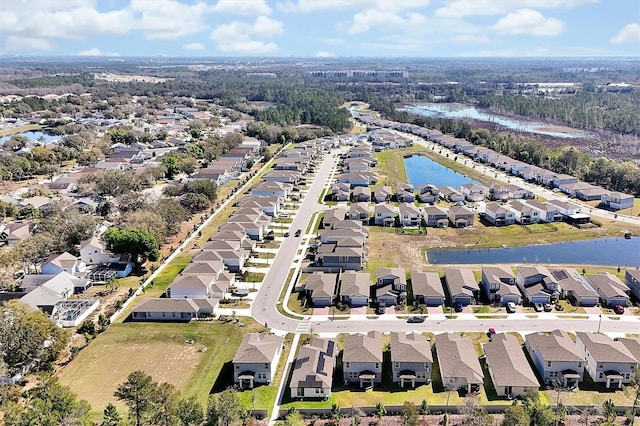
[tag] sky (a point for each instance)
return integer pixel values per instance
(321, 28)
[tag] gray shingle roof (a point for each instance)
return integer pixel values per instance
(363, 348)
(314, 365)
(257, 348)
(554, 346)
(603, 349)
(410, 347)
(426, 284)
(457, 358)
(507, 362)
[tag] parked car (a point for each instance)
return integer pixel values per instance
(491, 332)
(547, 307)
(416, 318)
(380, 309)
(458, 307)
(538, 307)
(298, 232)
(511, 307)
(559, 307)
(618, 309)
(286, 234)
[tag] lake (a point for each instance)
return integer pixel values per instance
(456, 110)
(615, 251)
(33, 137)
(422, 170)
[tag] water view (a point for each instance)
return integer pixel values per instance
(422, 170)
(33, 136)
(615, 251)
(455, 110)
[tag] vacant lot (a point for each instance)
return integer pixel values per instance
(160, 351)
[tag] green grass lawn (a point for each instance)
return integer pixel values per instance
(159, 350)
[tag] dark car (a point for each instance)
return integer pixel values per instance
(559, 307)
(458, 307)
(298, 232)
(618, 309)
(415, 318)
(380, 309)
(286, 234)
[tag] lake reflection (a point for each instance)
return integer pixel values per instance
(615, 251)
(421, 171)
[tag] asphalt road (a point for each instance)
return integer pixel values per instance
(264, 308)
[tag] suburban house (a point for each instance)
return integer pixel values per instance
(556, 357)
(391, 286)
(498, 192)
(354, 288)
(340, 192)
(409, 215)
(448, 193)
(508, 366)
(256, 360)
(525, 214)
(546, 212)
(405, 193)
(462, 285)
(164, 309)
(384, 215)
(94, 252)
(320, 289)
(361, 194)
(359, 211)
(382, 193)
(427, 288)
(66, 262)
(341, 258)
(459, 364)
(44, 291)
(632, 344)
(537, 284)
(499, 285)
(460, 216)
(362, 359)
(499, 215)
(312, 375)
(428, 194)
(473, 192)
(411, 359)
(617, 200)
(336, 213)
(269, 205)
(561, 179)
(607, 361)
(13, 232)
(611, 289)
(358, 179)
(436, 217)
(574, 287)
(569, 211)
(271, 189)
(632, 280)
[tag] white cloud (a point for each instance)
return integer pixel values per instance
(94, 51)
(528, 21)
(242, 37)
(364, 21)
(471, 38)
(169, 19)
(628, 34)
(193, 46)
(27, 43)
(325, 54)
(460, 8)
(305, 6)
(242, 7)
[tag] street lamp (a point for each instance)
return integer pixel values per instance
(599, 321)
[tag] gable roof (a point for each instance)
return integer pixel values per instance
(355, 283)
(426, 284)
(603, 349)
(412, 347)
(457, 358)
(460, 281)
(321, 284)
(554, 346)
(363, 348)
(258, 348)
(314, 365)
(508, 364)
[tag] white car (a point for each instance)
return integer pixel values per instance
(511, 307)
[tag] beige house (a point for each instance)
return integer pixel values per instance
(508, 367)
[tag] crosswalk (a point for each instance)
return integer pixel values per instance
(303, 327)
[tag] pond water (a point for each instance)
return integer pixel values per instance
(422, 170)
(456, 110)
(33, 136)
(615, 251)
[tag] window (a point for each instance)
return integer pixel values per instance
(548, 363)
(377, 365)
(579, 365)
(319, 391)
(266, 366)
(396, 365)
(300, 392)
(601, 376)
(426, 366)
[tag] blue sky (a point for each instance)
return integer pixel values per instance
(321, 28)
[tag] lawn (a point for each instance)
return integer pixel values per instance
(21, 129)
(159, 350)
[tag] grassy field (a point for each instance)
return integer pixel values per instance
(21, 129)
(159, 350)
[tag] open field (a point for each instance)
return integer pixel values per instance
(20, 129)
(160, 351)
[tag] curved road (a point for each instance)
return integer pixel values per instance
(264, 308)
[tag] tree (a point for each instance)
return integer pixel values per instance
(139, 393)
(635, 383)
(380, 411)
(474, 414)
(224, 409)
(138, 244)
(609, 410)
(189, 411)
(409, 414)
(110, 416)
(516, 415)
(423, 409)
(53, 404)
(294, 418)
(195, 202)
(29, 340)
(540, 415)
(336, 414)
(165, 405)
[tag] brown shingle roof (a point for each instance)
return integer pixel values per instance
(507, 362)
(363, 348)
(257, 348)
(410, 347)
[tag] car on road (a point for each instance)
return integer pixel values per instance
(491, 332)
(298, 232)
(538, 307)
(547, 307)
(286, 234)
(618, 309)
(415, 318)
(511, 307)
